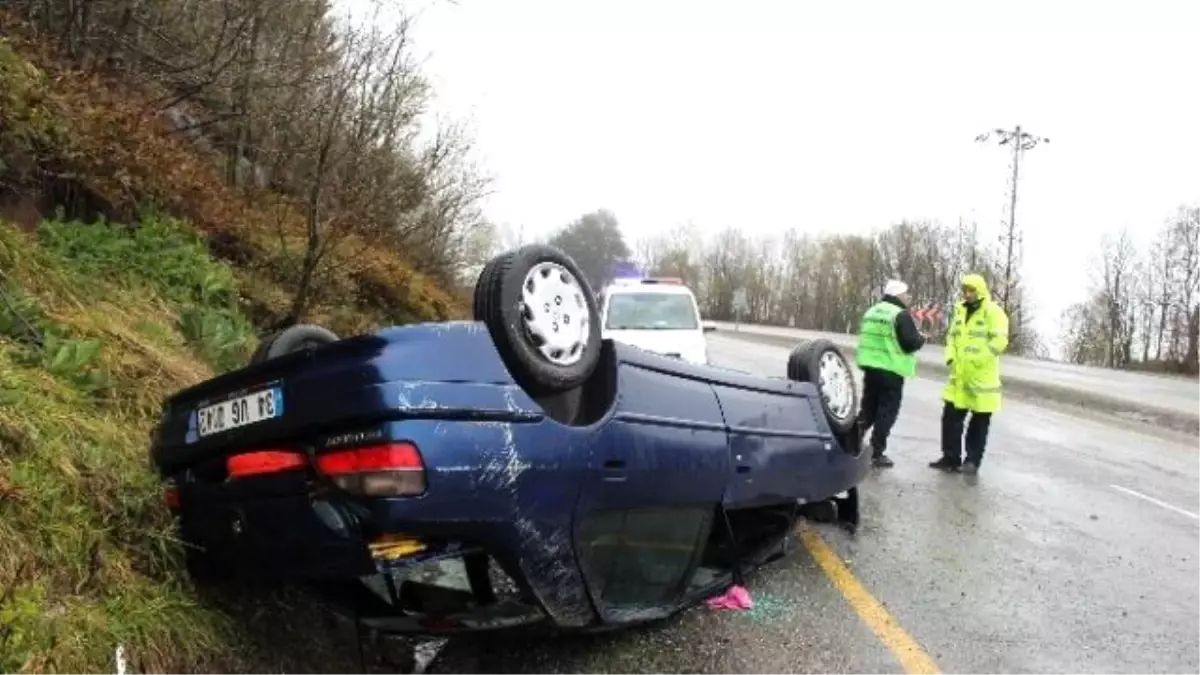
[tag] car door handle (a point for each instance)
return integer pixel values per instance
(743, 468)
(614, 470)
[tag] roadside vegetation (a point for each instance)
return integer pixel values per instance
(177, 180)
(1144, 309)
(98, 322)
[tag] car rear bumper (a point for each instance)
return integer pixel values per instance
(276, 531)
(436, 578)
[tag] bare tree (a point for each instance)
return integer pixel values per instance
(438, 231)
(1149, 302)
(1183, 235)
(1101, 330)
(348, 171)
(823, 283)
(1119, 265)
(298, 101)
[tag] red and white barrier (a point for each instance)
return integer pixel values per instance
(927, 314)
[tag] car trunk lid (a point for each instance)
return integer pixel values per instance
(417, 371)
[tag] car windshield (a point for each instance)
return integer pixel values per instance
(651, 311)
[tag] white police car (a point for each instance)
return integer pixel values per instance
(656, 314)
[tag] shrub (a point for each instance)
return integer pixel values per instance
(163, 256)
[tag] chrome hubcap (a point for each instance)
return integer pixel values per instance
(836, 385)
(555, 313)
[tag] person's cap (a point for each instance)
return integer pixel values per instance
(895, 288)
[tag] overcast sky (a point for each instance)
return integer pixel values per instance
(831, 116)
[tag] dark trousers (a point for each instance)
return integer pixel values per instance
(952, 434)
(882, 392)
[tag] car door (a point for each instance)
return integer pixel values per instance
(774, 440)
(655, 478)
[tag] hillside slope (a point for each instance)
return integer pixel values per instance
(97, 324)
(92, 146)
(153, 276)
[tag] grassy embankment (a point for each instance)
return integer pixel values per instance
(100, 321)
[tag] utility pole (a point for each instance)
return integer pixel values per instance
(1020, 141)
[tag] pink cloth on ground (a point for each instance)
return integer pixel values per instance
(734, 598)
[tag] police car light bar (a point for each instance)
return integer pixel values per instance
(664, 280)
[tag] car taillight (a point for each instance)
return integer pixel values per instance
(263, 461)
(392, 470)
(171, 496)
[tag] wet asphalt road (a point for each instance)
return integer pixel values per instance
(1044, 562)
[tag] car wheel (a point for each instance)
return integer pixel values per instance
(260, 352)
(484, 285)
(823, 364)
(294, 339)
(541, 313)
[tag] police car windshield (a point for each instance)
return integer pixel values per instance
(651, 311)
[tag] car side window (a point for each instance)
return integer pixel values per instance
(643, 557)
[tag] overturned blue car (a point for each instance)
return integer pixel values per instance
(513, 471)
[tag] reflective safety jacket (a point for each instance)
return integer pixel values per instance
(879, 342)
(974, 343)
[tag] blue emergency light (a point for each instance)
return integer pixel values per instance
(627, 269)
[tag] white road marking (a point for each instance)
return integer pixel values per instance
(1152, 500)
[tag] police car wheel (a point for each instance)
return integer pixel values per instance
(821, 363)
(542, 316)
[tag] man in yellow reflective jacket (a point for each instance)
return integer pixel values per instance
(977, 336)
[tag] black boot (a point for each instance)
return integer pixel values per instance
(882, 461)
(944, 464)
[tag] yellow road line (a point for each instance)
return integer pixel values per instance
(902, 645)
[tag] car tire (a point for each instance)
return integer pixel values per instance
(260, 352)
(293, 339)
(542, 317)
(484, 284)
(839, 392)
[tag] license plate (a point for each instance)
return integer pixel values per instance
(241, 411)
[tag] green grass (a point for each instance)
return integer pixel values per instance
(162, 257)
(99, 323)
(86, 550)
